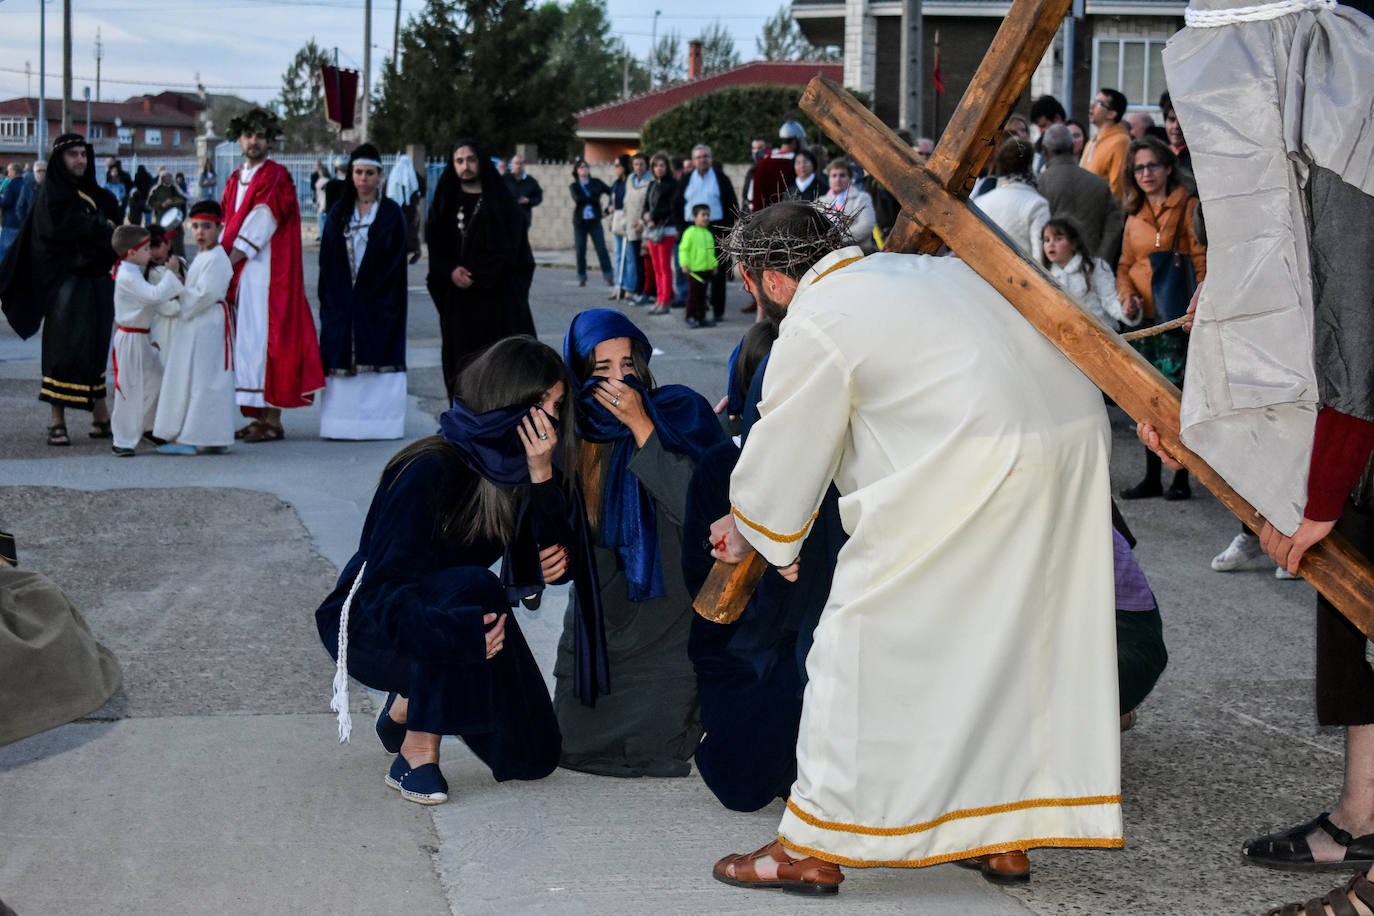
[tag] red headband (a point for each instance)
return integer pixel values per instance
(130, 250)
(207, 217)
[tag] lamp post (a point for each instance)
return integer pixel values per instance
(87, 93)
(42, 133)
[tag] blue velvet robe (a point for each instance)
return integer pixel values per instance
(416, 627)
(363, 322)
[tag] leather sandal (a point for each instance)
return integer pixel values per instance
(266, 432)
(100, 429)
(243, 431)
(57, 435)
(1289, 850)
(1010, 867)
(808, 875)
(1337, 901)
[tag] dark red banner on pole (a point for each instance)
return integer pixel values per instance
(340, 95)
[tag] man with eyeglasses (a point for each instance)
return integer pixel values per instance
(1105, 153)
(707, 184)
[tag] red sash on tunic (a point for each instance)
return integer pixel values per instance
(294, 372)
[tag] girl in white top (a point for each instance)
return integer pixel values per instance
(1089, 280)
(138, 370)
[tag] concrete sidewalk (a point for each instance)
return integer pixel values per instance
(214, 783)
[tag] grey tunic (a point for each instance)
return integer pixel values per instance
(1266, 106)
(648, 724)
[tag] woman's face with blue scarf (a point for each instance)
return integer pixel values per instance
(612, 359)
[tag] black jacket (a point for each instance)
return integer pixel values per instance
(598, 189)
(729, 203)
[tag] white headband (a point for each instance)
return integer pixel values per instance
(361, 161)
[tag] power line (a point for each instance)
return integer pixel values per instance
(158, 84)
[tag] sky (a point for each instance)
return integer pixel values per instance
(242, 47)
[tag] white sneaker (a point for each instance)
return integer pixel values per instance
(1244, 547)
(1281, 573)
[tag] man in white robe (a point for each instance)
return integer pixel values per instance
(277, 355)
(962, 694)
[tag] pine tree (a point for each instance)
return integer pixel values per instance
(717, 48)
(665, 60)
(302, 102)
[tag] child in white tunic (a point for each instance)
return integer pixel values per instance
(196, 409)
(138, 371)
(1090, 281)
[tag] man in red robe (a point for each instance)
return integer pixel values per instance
(276, 352)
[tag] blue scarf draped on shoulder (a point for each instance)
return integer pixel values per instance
(491, 448)
(684, 422)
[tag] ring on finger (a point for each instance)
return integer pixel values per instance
(615, 401)
(543, 435)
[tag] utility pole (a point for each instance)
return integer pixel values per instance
(99, 53)
(396, 40)
(653, 48)
(86, 91)
(28, 79)
(367, 69)
(912, 78)
(66, 66)
(42, 133)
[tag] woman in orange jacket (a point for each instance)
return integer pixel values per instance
(1160, 203)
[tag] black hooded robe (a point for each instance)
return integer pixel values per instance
(65, 279)
(494, 247)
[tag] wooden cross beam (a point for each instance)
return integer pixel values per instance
(932, 212)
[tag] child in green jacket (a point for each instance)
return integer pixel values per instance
(696, 252)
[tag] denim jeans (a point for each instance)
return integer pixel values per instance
(582, 229)
(628, 268)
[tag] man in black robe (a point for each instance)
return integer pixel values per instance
(58, 275)
(480, 263)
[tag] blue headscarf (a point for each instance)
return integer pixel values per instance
(683, 421)
(488, 442)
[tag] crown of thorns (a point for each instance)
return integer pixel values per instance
(760, 241)
(254, 120)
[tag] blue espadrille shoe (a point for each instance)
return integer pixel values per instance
(391, 732)
(424, 785)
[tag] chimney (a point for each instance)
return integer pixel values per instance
(147, 105)
(693, 59)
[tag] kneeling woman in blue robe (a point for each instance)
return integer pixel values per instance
(640, 443)
(428, 621)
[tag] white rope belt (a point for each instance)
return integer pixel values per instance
(1210, 19)
(339, 701)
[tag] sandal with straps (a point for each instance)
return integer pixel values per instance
(1289, 850)
(1336, 901)
(57, 435)
(100, 429)
(795, 876)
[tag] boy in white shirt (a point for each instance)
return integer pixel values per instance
(137, 369)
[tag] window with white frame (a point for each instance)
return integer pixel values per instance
(97, 132)
(126, 135)
(1132, 66)
(14, 128)
(176, 138)
(152, 136)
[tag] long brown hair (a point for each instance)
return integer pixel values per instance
(513, 371)
(1132, 198)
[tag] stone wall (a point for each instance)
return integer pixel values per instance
(552, 229)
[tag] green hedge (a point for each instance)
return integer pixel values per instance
(727, 119)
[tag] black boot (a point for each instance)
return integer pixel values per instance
(1150, 485)
(1179, 489)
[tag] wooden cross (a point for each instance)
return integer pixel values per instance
(934, 211)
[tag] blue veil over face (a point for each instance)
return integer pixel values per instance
(683, 422)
